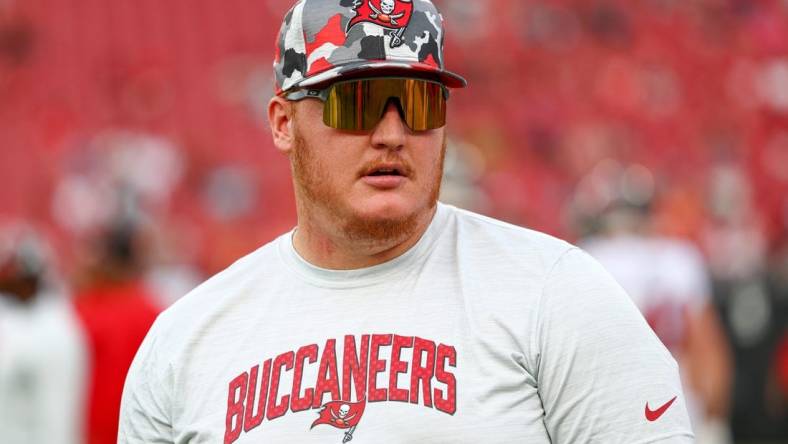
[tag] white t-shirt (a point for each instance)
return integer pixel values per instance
(482, 332)
(43, 369)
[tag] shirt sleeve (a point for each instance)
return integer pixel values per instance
(603, 376)
(145, 416)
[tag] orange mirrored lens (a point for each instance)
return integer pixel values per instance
(358, 105)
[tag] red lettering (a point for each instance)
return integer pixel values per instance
(432, 379)
(422, 374)
(235, 408)
(447, 404)
(355, 367)
(397, 367)
(327, 378)
(276, 410)
(298, 402)
(252, 420)
(376, 365)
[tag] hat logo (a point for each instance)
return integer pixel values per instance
(394, 15)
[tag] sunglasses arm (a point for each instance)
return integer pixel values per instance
(302, 94)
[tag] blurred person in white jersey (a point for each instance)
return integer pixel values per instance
(668, 280)
(42, 350)
(386, 316)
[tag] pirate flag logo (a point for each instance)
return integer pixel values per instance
(391, 14)
(342, 415)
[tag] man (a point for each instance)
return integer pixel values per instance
(43, 362)
(385, 316)
(115, 309)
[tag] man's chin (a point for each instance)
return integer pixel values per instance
(387, 205)
(381, 223)
(384, 211)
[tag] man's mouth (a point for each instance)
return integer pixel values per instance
(386, 176)
(386, 172)
(383, 170)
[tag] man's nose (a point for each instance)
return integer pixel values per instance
(391, 131)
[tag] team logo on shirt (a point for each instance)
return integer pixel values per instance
(394, 15)
(371, 369)
(342, 415)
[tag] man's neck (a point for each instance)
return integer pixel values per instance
(324, 245)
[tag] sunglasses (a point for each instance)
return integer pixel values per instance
(359, 104)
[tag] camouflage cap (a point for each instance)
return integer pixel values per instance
(323, 40)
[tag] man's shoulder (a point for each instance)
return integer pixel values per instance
(183, 327)
(218, 291)
(499, 237)
(500, 234)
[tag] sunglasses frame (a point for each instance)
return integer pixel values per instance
(322, 94)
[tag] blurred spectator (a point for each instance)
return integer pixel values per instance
(116, 310)
(42, 355)
(668, 281)
(780, 370)
(110, 193)
(463, 167)
(132, 176)
(750, 292)
(780, 363)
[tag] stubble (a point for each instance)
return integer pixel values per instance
(315, 187)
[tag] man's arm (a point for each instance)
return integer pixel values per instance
(707, 359)
(146, 405)
(603, 376)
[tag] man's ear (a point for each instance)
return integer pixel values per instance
(281, 113)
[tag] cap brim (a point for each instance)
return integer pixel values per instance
(384, 68)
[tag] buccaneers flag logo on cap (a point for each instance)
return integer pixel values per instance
(391, 14)
(342, 415)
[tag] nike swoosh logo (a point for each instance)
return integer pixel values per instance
(653, 415)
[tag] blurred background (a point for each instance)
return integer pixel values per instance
(136, 160)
